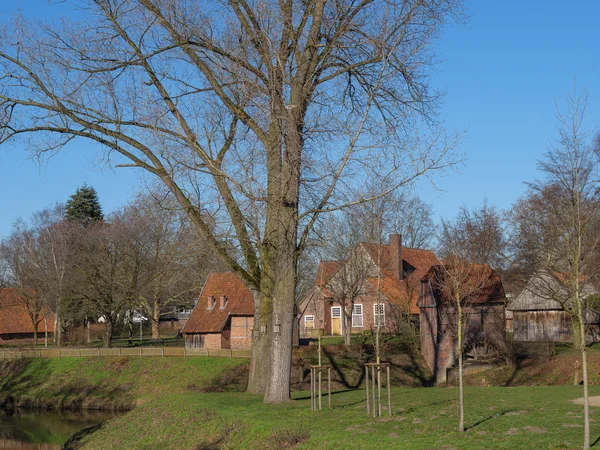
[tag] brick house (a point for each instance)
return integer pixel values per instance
(483, 312)
(389, 288)
(223, 317)
(16, 323)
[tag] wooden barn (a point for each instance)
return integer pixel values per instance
(223, 317)
(537, 317)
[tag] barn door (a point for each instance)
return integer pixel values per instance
(336, 320)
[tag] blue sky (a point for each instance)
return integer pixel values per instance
(502, 71)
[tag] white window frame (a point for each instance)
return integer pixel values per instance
(306, 320)
(357, 317)
(382, 309)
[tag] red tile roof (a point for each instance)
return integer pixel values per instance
(14, 315)
(326, 270)
(401, 292)
(239, 303)
(480, 284)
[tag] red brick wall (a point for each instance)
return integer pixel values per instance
(212, 340)
(438, 329)
(312, 305)
(241, 333)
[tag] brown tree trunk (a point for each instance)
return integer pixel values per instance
(155, 319)
(35, 318)
(348, 330)
(87, 330)
(278, 387)
(108, 334)
(259, 359)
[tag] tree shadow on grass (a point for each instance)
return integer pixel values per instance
(490, 417)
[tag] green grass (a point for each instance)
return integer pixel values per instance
(498, 418)
(104, 382)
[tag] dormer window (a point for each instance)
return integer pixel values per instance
(211, 302)
(223, 302)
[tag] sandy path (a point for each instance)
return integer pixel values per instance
(594, 401)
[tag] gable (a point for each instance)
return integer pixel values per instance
(212, 320)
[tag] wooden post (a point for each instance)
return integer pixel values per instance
(312, 390)
(389, 389)
(329, 386)
(367, 389)
(374, 393)
(379, 390)
(320, 405)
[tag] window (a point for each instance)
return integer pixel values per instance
(357, 316)
(309, 321)
(379, 311)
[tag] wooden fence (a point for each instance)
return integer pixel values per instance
(139, 351)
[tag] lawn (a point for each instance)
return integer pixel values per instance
(423, 418)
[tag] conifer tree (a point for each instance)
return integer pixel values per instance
(84, 207)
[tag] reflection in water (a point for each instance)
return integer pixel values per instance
(33, 430)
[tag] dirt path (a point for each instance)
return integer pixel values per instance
(594, 401)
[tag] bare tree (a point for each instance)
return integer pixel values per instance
(412, 218)
(341, 243)
(264, 111)
(37, 255)
(170, 263)
(558, 226)
(480, 234)
(105, 275)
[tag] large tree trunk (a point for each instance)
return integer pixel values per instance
(155, 319)
(108, 334)
(278, 387)
(285, 225)
(260, 359)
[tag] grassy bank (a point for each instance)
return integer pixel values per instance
(498, 418)
(104, 383)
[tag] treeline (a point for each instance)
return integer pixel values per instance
(76, 264)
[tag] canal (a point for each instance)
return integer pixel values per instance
(43, 430)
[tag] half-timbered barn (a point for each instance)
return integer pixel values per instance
(223, 317)
(539, 312)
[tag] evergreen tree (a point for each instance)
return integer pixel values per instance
(84, 207)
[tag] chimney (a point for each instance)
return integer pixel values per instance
(396, 255)
(211, 302)
(223, 302)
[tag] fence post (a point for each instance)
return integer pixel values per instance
(79, 352)
(163, 352)
(98, 352)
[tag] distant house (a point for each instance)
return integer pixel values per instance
(223, 317)
(483, 312)
(16, 324)
(390, 289)
(538, 317)
(174, 317)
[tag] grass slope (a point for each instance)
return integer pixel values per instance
(498, 418)
(104, 383)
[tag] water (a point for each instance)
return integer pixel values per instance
(29, 430)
